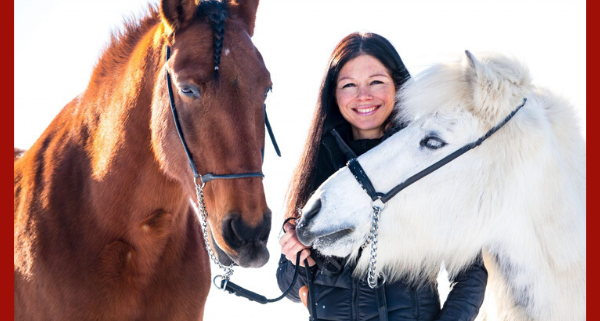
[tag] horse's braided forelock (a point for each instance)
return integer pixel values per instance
(216, 13)
(218, 25)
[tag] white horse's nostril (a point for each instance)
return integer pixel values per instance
(312, 212)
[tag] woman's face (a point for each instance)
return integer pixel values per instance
(365, 95)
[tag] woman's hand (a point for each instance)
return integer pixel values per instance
(290, 246)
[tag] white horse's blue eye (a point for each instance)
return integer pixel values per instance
(432, 142)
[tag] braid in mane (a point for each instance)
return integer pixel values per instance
(216, 12)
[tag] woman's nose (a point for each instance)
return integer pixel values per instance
(364, 93)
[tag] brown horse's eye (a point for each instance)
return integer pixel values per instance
(267, 92)
(190, 91)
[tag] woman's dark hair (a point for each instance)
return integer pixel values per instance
(327, 114)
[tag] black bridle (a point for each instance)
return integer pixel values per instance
(379, 200)
(361, 176)
(225, 284)
(209, 176)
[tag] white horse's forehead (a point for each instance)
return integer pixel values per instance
(446, 121)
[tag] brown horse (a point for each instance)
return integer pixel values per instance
(103, 224)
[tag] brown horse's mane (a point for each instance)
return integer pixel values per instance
(122, 43)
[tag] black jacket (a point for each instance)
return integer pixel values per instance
(339, 296)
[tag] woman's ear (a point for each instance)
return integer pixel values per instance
(246, 10)
(177, 14)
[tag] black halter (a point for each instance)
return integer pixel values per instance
(361, 176)
(209, 176)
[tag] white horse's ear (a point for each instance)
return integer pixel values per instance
(476, 68)
(497, 84)
(472, 60)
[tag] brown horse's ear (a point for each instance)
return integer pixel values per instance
(177, 14)
(245, 9)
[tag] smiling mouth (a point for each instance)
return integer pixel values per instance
(366, 111)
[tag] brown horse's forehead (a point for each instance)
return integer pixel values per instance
(194, 52)
(240, 53)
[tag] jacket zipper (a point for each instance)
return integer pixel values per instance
(354, 299)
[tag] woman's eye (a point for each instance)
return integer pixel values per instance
(349, 85)
(433, 142)
(189, 91)
(376, 82)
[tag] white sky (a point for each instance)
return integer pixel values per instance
(58, 42)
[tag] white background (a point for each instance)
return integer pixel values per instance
(57, 43)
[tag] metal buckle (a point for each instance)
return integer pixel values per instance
(378, 204)
(377, 282)
(223, 283)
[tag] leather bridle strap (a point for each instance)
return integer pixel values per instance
(271, 135)
(209, 176)
(253, 296)
(361, 176)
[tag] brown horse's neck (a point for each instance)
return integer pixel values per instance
(123, 154)
(105, 134)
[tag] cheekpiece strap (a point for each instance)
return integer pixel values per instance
(363, 179)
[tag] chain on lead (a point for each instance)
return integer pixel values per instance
(203, 222)
(372, 278)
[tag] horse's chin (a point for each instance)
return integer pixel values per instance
(339, 244)
(250, 255)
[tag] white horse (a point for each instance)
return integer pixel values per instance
(519, 196)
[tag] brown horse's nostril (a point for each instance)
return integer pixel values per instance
(313, 211)
(237, 233)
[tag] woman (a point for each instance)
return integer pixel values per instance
(353, 115)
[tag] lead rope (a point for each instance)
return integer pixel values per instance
(202, 214)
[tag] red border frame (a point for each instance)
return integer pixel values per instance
(7, 85)
(592, 171)
(7, 88)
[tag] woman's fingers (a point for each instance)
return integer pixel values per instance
(290, 246)
(288, 227)
(293, 250)
(290, 232)
(305, 255)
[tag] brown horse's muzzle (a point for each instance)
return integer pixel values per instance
(248, 243)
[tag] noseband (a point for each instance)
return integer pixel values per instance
(379, 200)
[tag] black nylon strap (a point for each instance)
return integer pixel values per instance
(348, 152)
(311, 302)
(365, 182)
(176, 119)
(271, 135)
(363, 179)
(381, 302)
(253, 296)
(209, 177)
